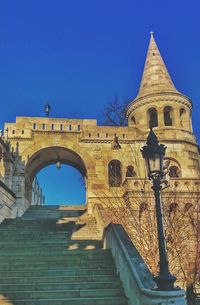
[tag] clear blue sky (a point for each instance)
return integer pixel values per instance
(78, 54)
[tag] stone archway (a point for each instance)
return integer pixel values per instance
(47, 156)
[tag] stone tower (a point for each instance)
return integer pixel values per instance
(160, 105)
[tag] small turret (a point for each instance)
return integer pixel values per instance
(158, 103)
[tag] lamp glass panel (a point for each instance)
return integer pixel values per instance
(147, 166)
(154, 163)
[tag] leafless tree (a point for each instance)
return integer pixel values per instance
(114, 113)
(135, 210)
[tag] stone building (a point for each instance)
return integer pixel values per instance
(106, 155)
(109, 157)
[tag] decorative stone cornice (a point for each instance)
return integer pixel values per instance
(159, 97)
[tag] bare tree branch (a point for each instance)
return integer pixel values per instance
(114, 113)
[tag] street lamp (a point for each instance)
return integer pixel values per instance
(47, 109)
(153, 153)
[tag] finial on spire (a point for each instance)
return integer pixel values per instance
(151, 33)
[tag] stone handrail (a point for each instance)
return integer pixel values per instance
(7, 189)
(138, 282)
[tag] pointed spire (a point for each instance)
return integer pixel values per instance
(156, 78)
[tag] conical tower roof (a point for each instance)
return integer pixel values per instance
(156, 78)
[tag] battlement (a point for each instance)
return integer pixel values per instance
(25, 126)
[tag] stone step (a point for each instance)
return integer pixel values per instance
(121, 300)
(58, 272)
(112, 292)
(43, 251)
(54, 256)
(45, 243)
(80, 254)
(56, 264)
(58, 279)
(59, 286)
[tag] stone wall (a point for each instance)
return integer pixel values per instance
(7, 203)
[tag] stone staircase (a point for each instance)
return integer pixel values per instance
(40, 263)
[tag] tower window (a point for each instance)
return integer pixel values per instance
(34, 126)
(152, 117)
(61, 127)
(43, 126)
(79, 127)
(130, 172)
(52, 126)
(114, 173)
(133, 121)
(168, 116)
(174, 171)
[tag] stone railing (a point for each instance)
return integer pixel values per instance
(138, 283)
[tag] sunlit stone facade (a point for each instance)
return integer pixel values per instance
(109, 157)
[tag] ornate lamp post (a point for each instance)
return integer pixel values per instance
(153, 153)
(47, 109)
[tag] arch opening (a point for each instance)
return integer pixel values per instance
(168, 120)
(44, 158)
(114, 173)
(152, 117)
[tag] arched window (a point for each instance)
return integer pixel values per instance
(130, 172)
(172, 208)
(174, 171)
(168, 116)
(152, 117)
(114, 173)
(182, 116)
(132, 120)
